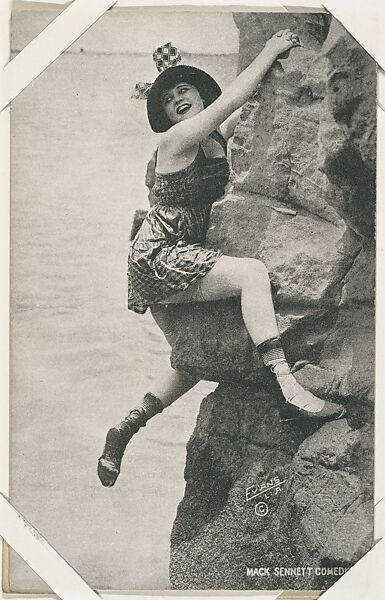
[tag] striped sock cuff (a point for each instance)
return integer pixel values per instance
(151, 405)
(271, 351)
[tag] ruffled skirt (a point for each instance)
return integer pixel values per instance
(168, 254)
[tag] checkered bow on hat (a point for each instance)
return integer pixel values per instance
(165, 56)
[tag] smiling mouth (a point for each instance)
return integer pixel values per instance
(183, 108)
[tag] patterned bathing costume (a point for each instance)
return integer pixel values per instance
(168, 253)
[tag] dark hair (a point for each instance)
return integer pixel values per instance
(207, 87)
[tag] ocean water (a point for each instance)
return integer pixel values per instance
(79, 359)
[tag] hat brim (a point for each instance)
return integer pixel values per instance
(207, 87)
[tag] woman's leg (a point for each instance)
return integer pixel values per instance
(245, 277)
(164, 392)
(249, 278)
(172, 385)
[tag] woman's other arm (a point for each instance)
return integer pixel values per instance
(227, 127)
(150, 177)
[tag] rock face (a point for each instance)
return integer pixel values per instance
(318, 517)
(302, 199)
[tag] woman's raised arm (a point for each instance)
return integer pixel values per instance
(191, 131)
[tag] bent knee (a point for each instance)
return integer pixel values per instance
(251, 268)
(259, 266)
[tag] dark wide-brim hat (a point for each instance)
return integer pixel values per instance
(207, 87)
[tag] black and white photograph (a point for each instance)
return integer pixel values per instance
(192, 300)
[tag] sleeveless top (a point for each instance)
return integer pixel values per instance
(168, 253)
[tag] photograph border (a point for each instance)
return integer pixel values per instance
(20, 536)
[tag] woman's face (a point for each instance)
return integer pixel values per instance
(182, 102)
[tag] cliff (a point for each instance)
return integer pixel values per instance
(260, 493)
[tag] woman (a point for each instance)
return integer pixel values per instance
(168, 262)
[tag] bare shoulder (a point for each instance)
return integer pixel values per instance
(174, 152)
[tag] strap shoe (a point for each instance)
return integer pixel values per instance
(116, 442)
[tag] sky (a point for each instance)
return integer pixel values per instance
(211, 33)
